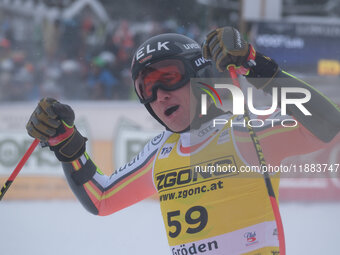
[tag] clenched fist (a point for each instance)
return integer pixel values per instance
(226, 47)
(53, 123)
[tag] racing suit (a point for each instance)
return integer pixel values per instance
(210, 212)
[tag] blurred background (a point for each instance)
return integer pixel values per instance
(79, 51)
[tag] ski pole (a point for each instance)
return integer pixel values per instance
(269, 186)
(18, 168)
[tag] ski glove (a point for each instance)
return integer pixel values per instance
(226, 47)
(53, 124)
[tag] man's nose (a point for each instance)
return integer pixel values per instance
(163, 95)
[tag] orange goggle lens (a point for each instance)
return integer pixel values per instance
(167, 74)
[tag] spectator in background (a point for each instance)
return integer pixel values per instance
(71, 79)
(124, 43)
(59, 58)
(125, 91)
(101, 84)
(6, 74)
(71, 44)
(21, 83)
(50, 83)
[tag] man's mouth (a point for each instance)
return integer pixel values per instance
(171, 110)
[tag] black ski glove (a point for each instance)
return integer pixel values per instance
(53, 124)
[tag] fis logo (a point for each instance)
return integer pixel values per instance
(251, 238)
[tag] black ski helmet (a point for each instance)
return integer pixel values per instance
(165, 46)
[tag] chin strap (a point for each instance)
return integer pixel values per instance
(153, 114)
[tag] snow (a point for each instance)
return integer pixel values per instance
(64, 227)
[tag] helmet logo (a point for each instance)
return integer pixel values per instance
(190, 46)
(148, 49)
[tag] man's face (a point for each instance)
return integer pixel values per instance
(175, 108)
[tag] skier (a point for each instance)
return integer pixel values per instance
(203, 212)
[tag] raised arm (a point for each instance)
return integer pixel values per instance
(53, 124)
(227, 47)
(324, 121)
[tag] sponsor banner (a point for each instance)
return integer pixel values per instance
(42, 176)
(38, 187)
(14, 145)
(300, 47)
(101, 118)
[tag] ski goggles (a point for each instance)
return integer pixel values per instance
(169, 75)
